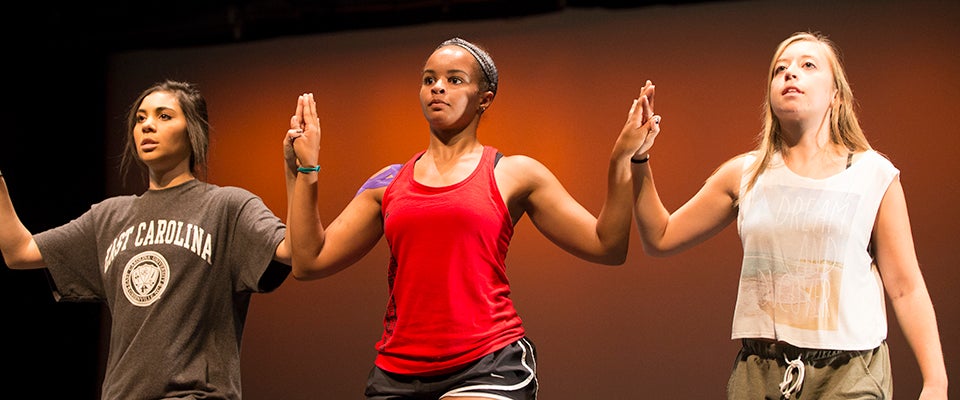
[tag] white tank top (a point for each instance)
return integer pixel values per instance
(807, 277)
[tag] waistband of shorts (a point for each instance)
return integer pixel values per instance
(777, 350)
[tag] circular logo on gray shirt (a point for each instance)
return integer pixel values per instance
(145, 278)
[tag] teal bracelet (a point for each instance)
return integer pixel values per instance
(308, 169)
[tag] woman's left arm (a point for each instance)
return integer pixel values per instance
(603, 239)
(563, 220)
(900, 271)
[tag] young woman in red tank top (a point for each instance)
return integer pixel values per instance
(450, 329)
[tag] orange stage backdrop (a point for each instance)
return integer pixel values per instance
(653, 328)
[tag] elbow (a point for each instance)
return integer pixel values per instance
(604, 259)
(308, 271)
(302, 272)
(613, 257)
(656, 251)
(611, 261)
(616, 259)
(300, 275)
(21, 263)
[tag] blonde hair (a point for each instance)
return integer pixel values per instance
(844, 126)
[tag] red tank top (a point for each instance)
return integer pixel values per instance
(449, 300)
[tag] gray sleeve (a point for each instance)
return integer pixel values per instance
(255, 238)
(70, 254)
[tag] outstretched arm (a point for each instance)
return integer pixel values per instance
(900, 270)
(19, 249)
(603, 239)
(320, 251)
(284, 252)
(707, 213)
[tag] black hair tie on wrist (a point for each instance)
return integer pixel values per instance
(636, 161)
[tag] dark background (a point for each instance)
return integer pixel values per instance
(55, 135)
(653, 328)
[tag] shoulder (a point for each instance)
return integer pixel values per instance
(229, 192)
(522, 171)
(730, 175)
(113, 205)
(875, 164)
(737, 165)
(381, 178)
(386, 173)
(517, 164)
(116, 201)
(520, 175)
(228, 197)
(875, 157)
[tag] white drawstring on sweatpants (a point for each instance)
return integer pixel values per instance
(789, 386)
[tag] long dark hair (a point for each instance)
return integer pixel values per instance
(194, 108)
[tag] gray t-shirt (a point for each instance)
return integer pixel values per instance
(176, 268)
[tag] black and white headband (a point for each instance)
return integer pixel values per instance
(487, 66)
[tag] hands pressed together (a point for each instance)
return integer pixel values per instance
(642, 126)
(301, 145)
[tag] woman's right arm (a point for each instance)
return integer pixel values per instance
(320, 251)
(19, 249)
(704, 215)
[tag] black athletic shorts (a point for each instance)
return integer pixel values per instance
(506, 374)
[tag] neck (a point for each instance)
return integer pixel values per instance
(446, 151)
(455, 132)
(168, 180)
(806, 132)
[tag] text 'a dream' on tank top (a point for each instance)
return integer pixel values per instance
(808, 277)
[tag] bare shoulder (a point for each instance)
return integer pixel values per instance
(729, 174)
(520, 166)
(519, 176)
(738, 163)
